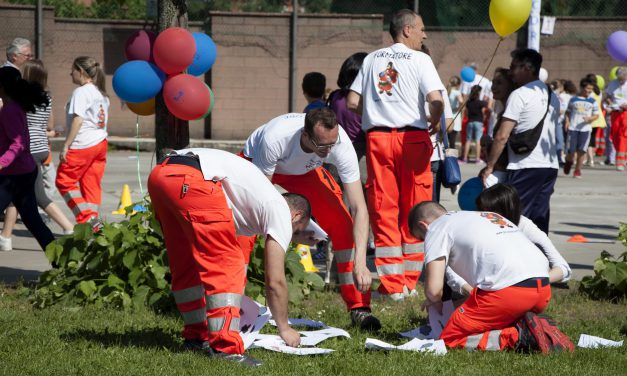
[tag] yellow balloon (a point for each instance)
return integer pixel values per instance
(600, 82)
(613, 73)
(143, 108)
(507, 16)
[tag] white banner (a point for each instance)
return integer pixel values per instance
(533, 36)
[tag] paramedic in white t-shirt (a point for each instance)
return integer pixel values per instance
(203, 198)
(508, 272)
(290, 151)
(533, 174)
(389, 88)
(84, 153)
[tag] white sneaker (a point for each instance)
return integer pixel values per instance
(396, 297)
(68, 232)
(6, 244)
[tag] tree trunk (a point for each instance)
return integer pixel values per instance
(170, 132)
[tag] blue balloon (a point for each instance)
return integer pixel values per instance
(137, 81)
(469, 192)
(206, 53)
(468, 74)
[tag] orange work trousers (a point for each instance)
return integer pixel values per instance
(206, 262)
(327, 207)
(619, 136)
(399, 177)
(79, 180)
(486, 320)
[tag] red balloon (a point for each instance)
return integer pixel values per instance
(186, 97)
(174, 50)
(139, 45)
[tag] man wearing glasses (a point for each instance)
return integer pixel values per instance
(398, 146)
(290, 151)
(18, 52)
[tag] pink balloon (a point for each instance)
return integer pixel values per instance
(174, 50)
(186, 97)
(139, 45)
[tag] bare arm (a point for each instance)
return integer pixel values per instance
(359, 212)
(498, 145)
(276, 290)
(354, 102)
(434, 283)
(77, 123)
(50, 132)
(436, 106)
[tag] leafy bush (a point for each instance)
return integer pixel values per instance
(610, 274)
(300, 284)
(125, 264)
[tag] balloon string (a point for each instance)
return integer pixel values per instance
(461, 109)
(139, 179)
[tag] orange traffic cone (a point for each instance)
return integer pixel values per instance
(577, 238)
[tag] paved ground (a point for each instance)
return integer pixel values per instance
(592, 206)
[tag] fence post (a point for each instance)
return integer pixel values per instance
(293, 63)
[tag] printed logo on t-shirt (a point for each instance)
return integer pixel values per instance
(387, 79)
(313, 163)
(101, 117)
(496, 219)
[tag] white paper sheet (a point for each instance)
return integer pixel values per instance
(308, 338)
(319, 233)
(303, 322)
(418, 345)
(587, 341)
(274, 344)
(421, 332)
(253, 317)
(438, 321)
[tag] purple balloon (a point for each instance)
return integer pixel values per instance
(617, 45)
(139, 46)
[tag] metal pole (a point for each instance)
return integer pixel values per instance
(416, 5)
(39, 29)
(293, 64)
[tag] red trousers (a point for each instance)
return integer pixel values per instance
(486, 320)
(206, 261)
(619, 136)
(78, 180)
(325, 197)
(399, 177)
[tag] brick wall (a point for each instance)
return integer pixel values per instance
(250, 77)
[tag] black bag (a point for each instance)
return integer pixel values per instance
(524, 142)
(451, 175)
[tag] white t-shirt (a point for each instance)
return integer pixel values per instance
(258, 208)
(275, 148)
(390, 82)
(455, 104)
(484, 249)
(88, 103)
(617, 94)
(578, 108)
(564, 98)
(526, 106)
(486, 87)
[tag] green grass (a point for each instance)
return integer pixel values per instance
(99, 341)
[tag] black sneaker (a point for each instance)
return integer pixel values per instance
(198, 345)
(567, 166)
(365, 320)
(531, 336)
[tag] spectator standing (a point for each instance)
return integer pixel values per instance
(582, 111)
(18, 171)
(475, 108)
(84, 153)
(390, 84)
(534, 173)
(314, 86)
(456, 99)
(617, 99)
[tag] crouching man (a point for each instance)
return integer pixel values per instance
(507, 273)
(203, 199)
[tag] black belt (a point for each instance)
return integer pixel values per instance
(390, 130)
(184, 160)
(532, 282)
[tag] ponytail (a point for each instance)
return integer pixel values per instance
(28, 95)
(92, 68)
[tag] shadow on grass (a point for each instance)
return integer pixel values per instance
(157, 338)
(581, 266)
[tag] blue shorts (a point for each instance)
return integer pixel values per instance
(474, 130)
(578, 141)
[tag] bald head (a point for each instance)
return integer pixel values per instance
(422, 215)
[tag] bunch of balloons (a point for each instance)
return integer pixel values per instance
(159, 63)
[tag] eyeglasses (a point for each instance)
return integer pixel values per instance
(29, 56)
(323, 147)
